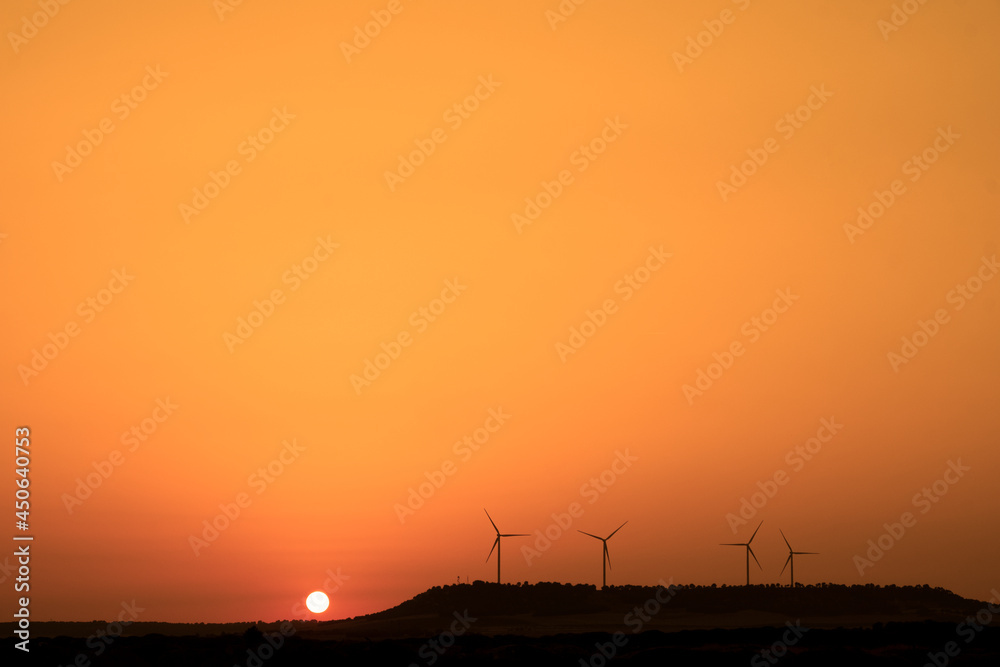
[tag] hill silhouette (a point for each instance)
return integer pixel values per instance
(552, 624)
(548, 599)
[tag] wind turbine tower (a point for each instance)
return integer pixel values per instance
(791, 558)
(749, 551)
(606, 558)
(496, 543)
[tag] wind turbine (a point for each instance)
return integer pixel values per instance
(791, 559)
(606, 558)
(496, 543)
(749, 551)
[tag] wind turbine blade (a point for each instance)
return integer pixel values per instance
(515, 535)
(806, 553)
(786, 563)
(588, 534)
(616, 530)
(741, 544)
(607, 555)
(755, 532)
(754, 557)
(495, 543)
(491, 521)
(786, 540)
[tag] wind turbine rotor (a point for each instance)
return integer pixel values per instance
(786, 540)
(755, 533)
(789, 560)
(616, 530)
(491, 521)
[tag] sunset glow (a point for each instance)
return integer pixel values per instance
(295, 291)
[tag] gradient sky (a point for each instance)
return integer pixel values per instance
(337, 121)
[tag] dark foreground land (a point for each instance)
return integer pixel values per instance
(555, 624)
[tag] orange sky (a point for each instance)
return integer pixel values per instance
(683, 198)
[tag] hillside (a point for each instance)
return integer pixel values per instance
(550, 599)
(549, 608)
(564, 624)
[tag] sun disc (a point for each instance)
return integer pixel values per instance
(317, 602)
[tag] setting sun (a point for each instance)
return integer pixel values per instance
(317, 602)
